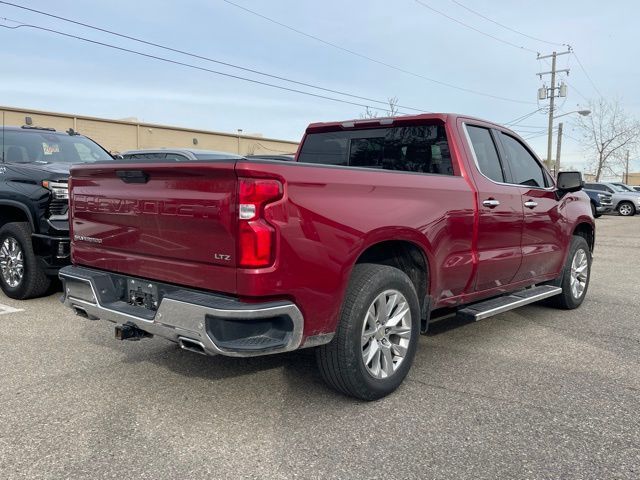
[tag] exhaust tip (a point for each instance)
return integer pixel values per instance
(81, 312)
(191, 345)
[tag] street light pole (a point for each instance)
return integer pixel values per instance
(557, 169)
(584, 113)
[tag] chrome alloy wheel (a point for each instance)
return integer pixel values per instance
(386, 334)
(579, 273)
(11, 262)
(625, 209)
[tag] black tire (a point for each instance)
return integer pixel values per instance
(594, 211)
(34, 281)
(567, 300)
(624, 207)
(341, 362)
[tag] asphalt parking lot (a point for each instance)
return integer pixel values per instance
(533, 393)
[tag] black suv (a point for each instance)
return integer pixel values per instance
(34, 222)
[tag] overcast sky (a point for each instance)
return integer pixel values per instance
(45, 71)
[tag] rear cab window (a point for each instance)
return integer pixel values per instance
(417, 149)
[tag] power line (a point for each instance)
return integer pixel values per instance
(371, 59)
(566, 81)
(507, 27)
(587, 75)
(453, 19)
(523, 117)
(201, 57)
(188, 65)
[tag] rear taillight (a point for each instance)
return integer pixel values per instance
(256, 237)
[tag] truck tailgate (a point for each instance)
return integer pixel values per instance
(173, 222)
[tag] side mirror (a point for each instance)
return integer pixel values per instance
(570, 181)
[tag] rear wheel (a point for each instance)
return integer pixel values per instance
(575, 277)
(377, 336)
(21, 276)
(626, 209)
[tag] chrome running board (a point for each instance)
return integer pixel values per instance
(495, 306)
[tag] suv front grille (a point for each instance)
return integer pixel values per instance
(58, 207)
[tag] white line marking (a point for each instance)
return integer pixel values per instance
(4, 309)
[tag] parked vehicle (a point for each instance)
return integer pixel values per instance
(625, 187)
(186, 154)
(379, 226)
(636, 188)
(283, 157)
(624, 202)
(34, 226)
(177, 154)
(600, 202)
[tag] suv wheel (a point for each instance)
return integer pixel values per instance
(377, 336)
(626, 209)
(594, 211)
(575, 277)
(21, 276)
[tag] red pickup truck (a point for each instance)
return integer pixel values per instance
(376, 228)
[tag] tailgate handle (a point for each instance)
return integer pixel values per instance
(133, 176)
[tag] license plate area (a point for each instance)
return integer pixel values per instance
(142, 294)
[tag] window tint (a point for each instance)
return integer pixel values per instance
(177, 156)
(486, 153)
(32, 146)
(144, 156)
(524, 167)
(421, 149)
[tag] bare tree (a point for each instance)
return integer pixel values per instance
(392, 111)
(606, 134)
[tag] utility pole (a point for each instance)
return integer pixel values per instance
(626, 169)
(557, 169)
(551, 93)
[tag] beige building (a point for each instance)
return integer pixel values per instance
(122, 135)
(633, 178)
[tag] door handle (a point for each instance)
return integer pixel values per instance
(491, 203)
(530, 204)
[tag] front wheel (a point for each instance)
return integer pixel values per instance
(21, 276)
(575, 277)
(626, 209)
(377, 335)
(594, 211)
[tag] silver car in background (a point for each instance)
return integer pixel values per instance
(625, 201)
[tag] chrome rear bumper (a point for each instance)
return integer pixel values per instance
(220, 325)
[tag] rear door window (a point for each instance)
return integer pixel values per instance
(420, 149)
(486, 153)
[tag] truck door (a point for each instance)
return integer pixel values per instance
(500, 213)
(542, 235)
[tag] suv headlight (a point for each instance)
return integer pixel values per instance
(601, 196)
(59, 190)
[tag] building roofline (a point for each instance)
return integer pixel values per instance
(141, 124)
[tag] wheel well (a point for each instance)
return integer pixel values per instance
(625, 201)
(586, 231)
(405, 256)
(10, 214)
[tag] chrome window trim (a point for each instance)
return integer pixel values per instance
(475, 160)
